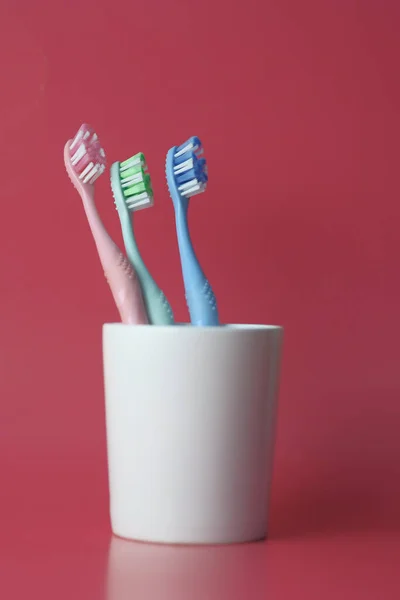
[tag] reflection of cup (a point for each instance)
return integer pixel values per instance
(190, 417)
(161, 572)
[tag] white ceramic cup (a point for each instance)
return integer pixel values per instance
(190, 415)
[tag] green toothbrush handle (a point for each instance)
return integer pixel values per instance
(158, 309)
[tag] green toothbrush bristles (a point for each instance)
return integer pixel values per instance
(137, 160)
(130, 172)
(136, 182)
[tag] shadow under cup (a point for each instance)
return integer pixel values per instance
(190, 416)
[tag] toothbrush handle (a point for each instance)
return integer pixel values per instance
(122, 279)
(158, 308)
(124, 285)
(200, 297)
(202, 304)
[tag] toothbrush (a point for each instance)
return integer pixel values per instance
(85, 161)
(132, 190)
(187, 176)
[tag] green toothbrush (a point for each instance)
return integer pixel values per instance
(132, 190)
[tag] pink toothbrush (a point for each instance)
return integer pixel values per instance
(85, 161)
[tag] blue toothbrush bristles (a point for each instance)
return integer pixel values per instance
(190, 171)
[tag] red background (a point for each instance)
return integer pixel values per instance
(297, 104)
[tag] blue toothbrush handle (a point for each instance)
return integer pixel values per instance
(200, 297)
(202, 304)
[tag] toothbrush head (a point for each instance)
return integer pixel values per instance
(187, 169)
(84, 157)
(131, 184)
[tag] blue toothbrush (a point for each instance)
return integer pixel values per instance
(187, 176)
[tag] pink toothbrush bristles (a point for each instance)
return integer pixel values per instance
(87, 156)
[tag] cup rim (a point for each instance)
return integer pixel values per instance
(223, 328)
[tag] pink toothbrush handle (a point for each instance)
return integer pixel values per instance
(123, 282)
(122, 279)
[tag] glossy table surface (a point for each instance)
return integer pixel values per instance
(86, 564)
(58, 545)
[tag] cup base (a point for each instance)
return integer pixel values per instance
(192, 542)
